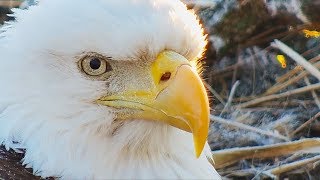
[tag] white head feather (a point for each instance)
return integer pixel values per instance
(46, 103)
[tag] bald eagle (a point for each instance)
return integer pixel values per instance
(96, 89)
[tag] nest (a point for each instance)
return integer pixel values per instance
(270, 110)
(265, 112)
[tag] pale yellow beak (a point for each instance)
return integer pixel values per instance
(176, 97)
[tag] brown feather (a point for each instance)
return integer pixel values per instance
(12, 168)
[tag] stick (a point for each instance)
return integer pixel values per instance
(223, 158)
(314, 94)
(298, 58)
(214, 93)
(297, 69)
(278, 96)
(304, 125)
(278, 87)
(233, 90)
(293, 165)
(247, 127)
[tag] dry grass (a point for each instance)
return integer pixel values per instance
(248, 142)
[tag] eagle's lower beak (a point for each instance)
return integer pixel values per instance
(177, 97)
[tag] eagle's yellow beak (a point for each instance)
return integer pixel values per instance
(176, 97)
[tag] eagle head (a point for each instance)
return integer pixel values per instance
(105, 89)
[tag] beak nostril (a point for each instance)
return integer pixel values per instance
(165, 77)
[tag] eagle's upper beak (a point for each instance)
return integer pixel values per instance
(176, 97)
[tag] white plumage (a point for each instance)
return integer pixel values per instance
(46, 103)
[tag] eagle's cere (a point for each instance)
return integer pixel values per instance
(95, 89)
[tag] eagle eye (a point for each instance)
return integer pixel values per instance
(94, 66)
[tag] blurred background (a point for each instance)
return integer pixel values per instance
(263, 95)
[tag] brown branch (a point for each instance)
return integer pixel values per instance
(304, 125)
(223, 158)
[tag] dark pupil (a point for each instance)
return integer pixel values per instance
(95, 63)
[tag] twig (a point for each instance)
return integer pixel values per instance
(233, 90)
(223, 158)
(289, 74)
(298, 58)
(278, 87)
(227, 69)
(284, 81)
(294, 165)
(309, 51)
(297, 69)
(268, 32)
(244, 98)
(235, 72)
(253, 60)
(284, 104)
(278, 96)
(314, 94)
(247, 127)
(304, 125)
(214, 93)
(268, 39)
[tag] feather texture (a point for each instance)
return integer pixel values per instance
(46, 103)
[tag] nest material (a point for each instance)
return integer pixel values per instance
(265, 117)
(263, 104)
